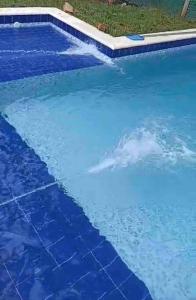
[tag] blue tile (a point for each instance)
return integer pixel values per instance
(44, 18)
(33, 262)
(2, 19)
(33, 288)
(80, 246)
(4, 278)
(94, 286)
(114, 295)
(92, 238)
(147, 297)
(52, 203)
(62, 25)
(5, 193)
(105, 253)
(15, 156)
(16, 239)
(62, 250)
(79, 267)
(118, 271)
(50, 18)
(35, 18)
(69, 274)
(20, 18)
(82, 225)
(8, 19)
(10, 217)
(55, 21)
(135, 289)
(41, 218)
(51, 232)
(7, 289)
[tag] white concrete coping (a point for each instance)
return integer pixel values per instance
(113, 43)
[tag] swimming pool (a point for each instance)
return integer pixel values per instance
(114, 143)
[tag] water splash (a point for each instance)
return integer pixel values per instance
(24, 52)
(17, 25)
(87, 49)
(82, 48)
(76, 50)
(144, 145)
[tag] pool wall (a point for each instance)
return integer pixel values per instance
(111, 46)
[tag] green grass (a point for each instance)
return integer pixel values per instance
(120, 20)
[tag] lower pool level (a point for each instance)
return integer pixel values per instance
(113, 145)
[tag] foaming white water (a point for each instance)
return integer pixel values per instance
(17, 25)
(142, 145)
(82, 48)
(33, 51)
(87, 49)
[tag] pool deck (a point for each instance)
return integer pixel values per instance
(114, 43)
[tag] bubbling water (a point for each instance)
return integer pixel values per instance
(144, 145)
(87, 49)
(17, 25)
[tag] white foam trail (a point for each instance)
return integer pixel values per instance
(141, 145)
(82, 48)
(21, 51)
(18, 25)
(87, 49)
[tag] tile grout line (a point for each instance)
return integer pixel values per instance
(109, 276)
(54, 243)
(64, 262)
(102, 296)
(97, 246)
(40, 188)
(117, 287)
(43, 187)
(83, 276)
(47, 250)
(13, 282)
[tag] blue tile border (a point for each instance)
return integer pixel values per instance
(153, 47)
(48, 247)
(85, 38)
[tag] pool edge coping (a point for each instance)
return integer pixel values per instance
(113, 43)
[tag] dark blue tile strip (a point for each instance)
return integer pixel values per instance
(48, 247)
(153, 47)
(8, 19)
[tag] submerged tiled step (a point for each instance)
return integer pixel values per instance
(48, 247)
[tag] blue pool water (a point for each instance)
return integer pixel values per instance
(97, 168)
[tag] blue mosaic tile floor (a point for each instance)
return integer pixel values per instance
(30, 51)
(48, 248)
